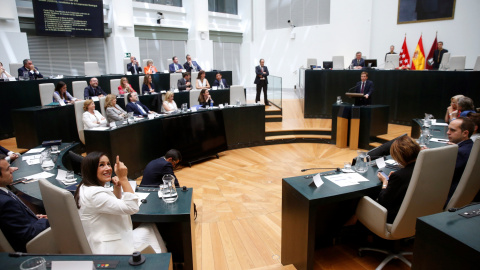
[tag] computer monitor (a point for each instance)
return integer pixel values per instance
(327, 64)
(369, 63)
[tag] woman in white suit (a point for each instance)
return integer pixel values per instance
(105, 214)
(91, 117)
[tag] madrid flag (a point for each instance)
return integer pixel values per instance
(404, 56)
(431, 53)
(418, 61)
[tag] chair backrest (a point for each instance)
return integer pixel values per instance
(193, 79)
(91, 69)
(338, 62)
(65, 221)
(237, 92)
(392, 61)
(194, 97)
(79, 119)
(456, 63)
(125, 62)
(169, 61)
(114, 84)
(145, 63)
(174, 77)
(102, 106)
(477, 64)
(445, 61)
(79, 89)
(4, 244)
(469, 184)
(428, 189)
(140, 84)
(126, 100)
(14, 68)
(311, 62)
(46, 93)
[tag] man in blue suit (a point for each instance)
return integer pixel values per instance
(133, 66)
(358, 62)
(10, 155)
(219, 82)
(157, 168)
(29, 68)
(17, 222)
(191, 65)
(93, 90)
(175, 66)
(136, 106)
(261, 80)
(364, 87)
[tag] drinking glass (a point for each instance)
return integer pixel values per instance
(35, 263)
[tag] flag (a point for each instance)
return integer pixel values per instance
(431, 53)
(418, 61)
(404, 56)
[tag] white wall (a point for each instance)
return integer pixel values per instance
(13, 44)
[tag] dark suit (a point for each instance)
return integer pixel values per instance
(131, 107)
(464, 149)
(368, 90)
(392, 196)
(171, 67)
(358, 63)
(217, 83)
(155, 170)
(93, 92)
(188, 68)
(437, 58)
(33, 76)
(261, 80)
(134, 69)
(17, 223)
(182, 84)
(4, 150)
(145, 88)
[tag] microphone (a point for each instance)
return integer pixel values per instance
(456, 209)
(337, 169)
(351, 88)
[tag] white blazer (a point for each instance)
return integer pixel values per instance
(90, 121)
(106, 219)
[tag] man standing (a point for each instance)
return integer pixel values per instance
(133, 66)
(136, 106)
(364, 87)
(17, 222)
(175, 66)
(358, 62)
(438, 55)
(157, 168)
(219, 82)
(29, 68)
(459, 132)
(191, 65)
(93, 90)
(261, 80)
(184, 83)
(392, 48)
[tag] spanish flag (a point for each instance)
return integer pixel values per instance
(418, 61)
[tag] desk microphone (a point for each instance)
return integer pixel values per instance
(456, 209)
(337, 169)
(351, 88)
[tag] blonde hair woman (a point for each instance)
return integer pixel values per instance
(452, 110)
(169, 104)
(113, 111)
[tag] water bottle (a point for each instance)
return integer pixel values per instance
(211, 103)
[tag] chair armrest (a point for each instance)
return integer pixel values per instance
(372, 215)
(43, 243)
(146, 249)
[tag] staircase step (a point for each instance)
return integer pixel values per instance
(297, 136)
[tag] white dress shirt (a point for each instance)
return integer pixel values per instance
(90, 120)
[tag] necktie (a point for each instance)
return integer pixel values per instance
(134, 69)
(142, 111)
(176, 68)
(358, 61)
(221, 84)
(363, 87)
(20, 201)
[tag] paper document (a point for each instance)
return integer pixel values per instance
(317, 180)
(380, 162)
(61, 176)
(25, 158)
(35, 150)
(441, 124)
(33, 161)
(141, 196)
(439, 140)
(346, 179)
(40, 175)
(100, 128)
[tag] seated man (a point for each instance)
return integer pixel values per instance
(358, 62)
(219, 82)
(465, 106)
(459, 132)
(10, 156)
(17, 222)
(136, 106)
(29, 68)
(133, 67)
(476, 120)
(157, 168)
(191, 65)
(93, 90)
(175, 66)
(184, 83)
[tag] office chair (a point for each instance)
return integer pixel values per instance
(91, 69)
(174, 77)
(78, 89)
(79, 119)
(237, 92)
(42, 243)
(46, 91)
(114, 83)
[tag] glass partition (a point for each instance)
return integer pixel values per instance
(275, 90)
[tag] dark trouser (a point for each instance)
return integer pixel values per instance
(262, 84)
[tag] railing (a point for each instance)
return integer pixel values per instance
(275, 90)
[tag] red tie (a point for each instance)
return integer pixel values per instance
(363, 87)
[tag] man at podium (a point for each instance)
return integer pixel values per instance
(364, 87)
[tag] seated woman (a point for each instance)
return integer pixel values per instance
(404, 151)
(169, 105)
(4, 75)
(202, 83)
(125, 87)
(105, 214)
(204, 98)
(113, 111)
(150, 68)
(91, 117)
(452, 110)
(62, 94)
(148, 86)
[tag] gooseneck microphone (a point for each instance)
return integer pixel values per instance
(337, 169)
(456, 209)
(351, 88)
